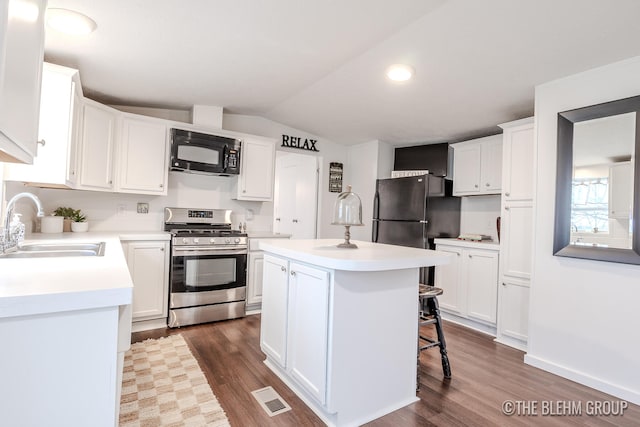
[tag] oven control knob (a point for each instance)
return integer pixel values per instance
(237, 240)
(227, 240)
(196, 240)
(185, 240)
(212, 240)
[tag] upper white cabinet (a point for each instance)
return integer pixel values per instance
(96, 148)
(517, 182)
(60, 119)
(21, 55)
(143, 155)
(516, 250)
(620, 190)
(477, 166)
(257, 165)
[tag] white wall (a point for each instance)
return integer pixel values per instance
(584, 315)
(478, 215)
(367, 162)
(328, 152)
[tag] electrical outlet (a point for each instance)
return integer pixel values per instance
(121, 209)
(143, 208)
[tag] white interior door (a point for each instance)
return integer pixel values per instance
(296, 195)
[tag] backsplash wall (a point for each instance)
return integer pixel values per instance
(478, 215)
(118, 211)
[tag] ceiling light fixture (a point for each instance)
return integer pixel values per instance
(400, 72)
(70, 22)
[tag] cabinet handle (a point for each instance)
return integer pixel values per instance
(475, 186)
(293, 273)
(244, 191)
(470, 256)
(278, 219)
(161, 249)
(161, 185)
(504, 284)
(487, 184)
(110, 182)
(507, 194)
(506, 208)
(613, 212)
(295, 220)
(42, 142)
(283, 269)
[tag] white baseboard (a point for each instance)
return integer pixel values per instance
(147, 325)
(512, 342)
(632, 396)
(471, 324)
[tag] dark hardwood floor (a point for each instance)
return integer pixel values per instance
(485, 374)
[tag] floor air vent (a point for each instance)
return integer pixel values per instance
(271, 401)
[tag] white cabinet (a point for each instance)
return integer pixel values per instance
(477, 166)
(447, 278)
(517, 182)
(96, 147)
(60, 116)
(295, 322)
(480, 273)
(148, 263)
(514, 313)
(469, 284)
(143, 155)
(273, 324)
(620, 190)
(21, 55)
(516, 250)
(257, 160)
(255, 267)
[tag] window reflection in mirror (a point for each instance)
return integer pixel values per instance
(602, 181)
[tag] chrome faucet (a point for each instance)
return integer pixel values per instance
(8, 241)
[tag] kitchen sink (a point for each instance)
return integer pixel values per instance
(47, 250)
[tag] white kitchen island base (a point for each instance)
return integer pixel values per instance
(340, 328)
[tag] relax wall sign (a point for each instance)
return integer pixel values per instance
(298, 142)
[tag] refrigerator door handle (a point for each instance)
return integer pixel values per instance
(374, 230)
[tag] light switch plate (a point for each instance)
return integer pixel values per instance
(143, 208)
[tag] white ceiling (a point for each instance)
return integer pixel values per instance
(318, 66)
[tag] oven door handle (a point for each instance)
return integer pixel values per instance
(184, 251)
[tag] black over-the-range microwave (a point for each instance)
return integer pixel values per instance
(203, 153)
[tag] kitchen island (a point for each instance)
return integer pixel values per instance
(65, 323)
(339, 326)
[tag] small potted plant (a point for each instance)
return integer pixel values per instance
(67, 214)
(79, 223)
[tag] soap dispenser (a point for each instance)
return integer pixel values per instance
(16, 228)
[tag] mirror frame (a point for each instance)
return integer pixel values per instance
(564, 178)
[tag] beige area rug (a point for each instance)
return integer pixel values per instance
(163, 385)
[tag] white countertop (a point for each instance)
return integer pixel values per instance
(367, 257)
(266, 235)
(488, 245)
(31, 286)
(122, 235)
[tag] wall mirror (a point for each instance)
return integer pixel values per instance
(598, 182)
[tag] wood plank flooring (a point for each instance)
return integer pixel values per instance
(485, 374)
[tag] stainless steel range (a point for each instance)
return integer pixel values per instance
(208, 274)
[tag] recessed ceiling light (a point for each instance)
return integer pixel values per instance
(400, 72)
(24, 10)
(70, 22)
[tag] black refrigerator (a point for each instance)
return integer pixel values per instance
(413, 211)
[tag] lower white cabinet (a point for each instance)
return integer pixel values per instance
(255, 266)
(470, 284)
(514, 314)
(148, 263)
(295, 322)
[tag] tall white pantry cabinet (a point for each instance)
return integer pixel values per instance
(516, 232)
